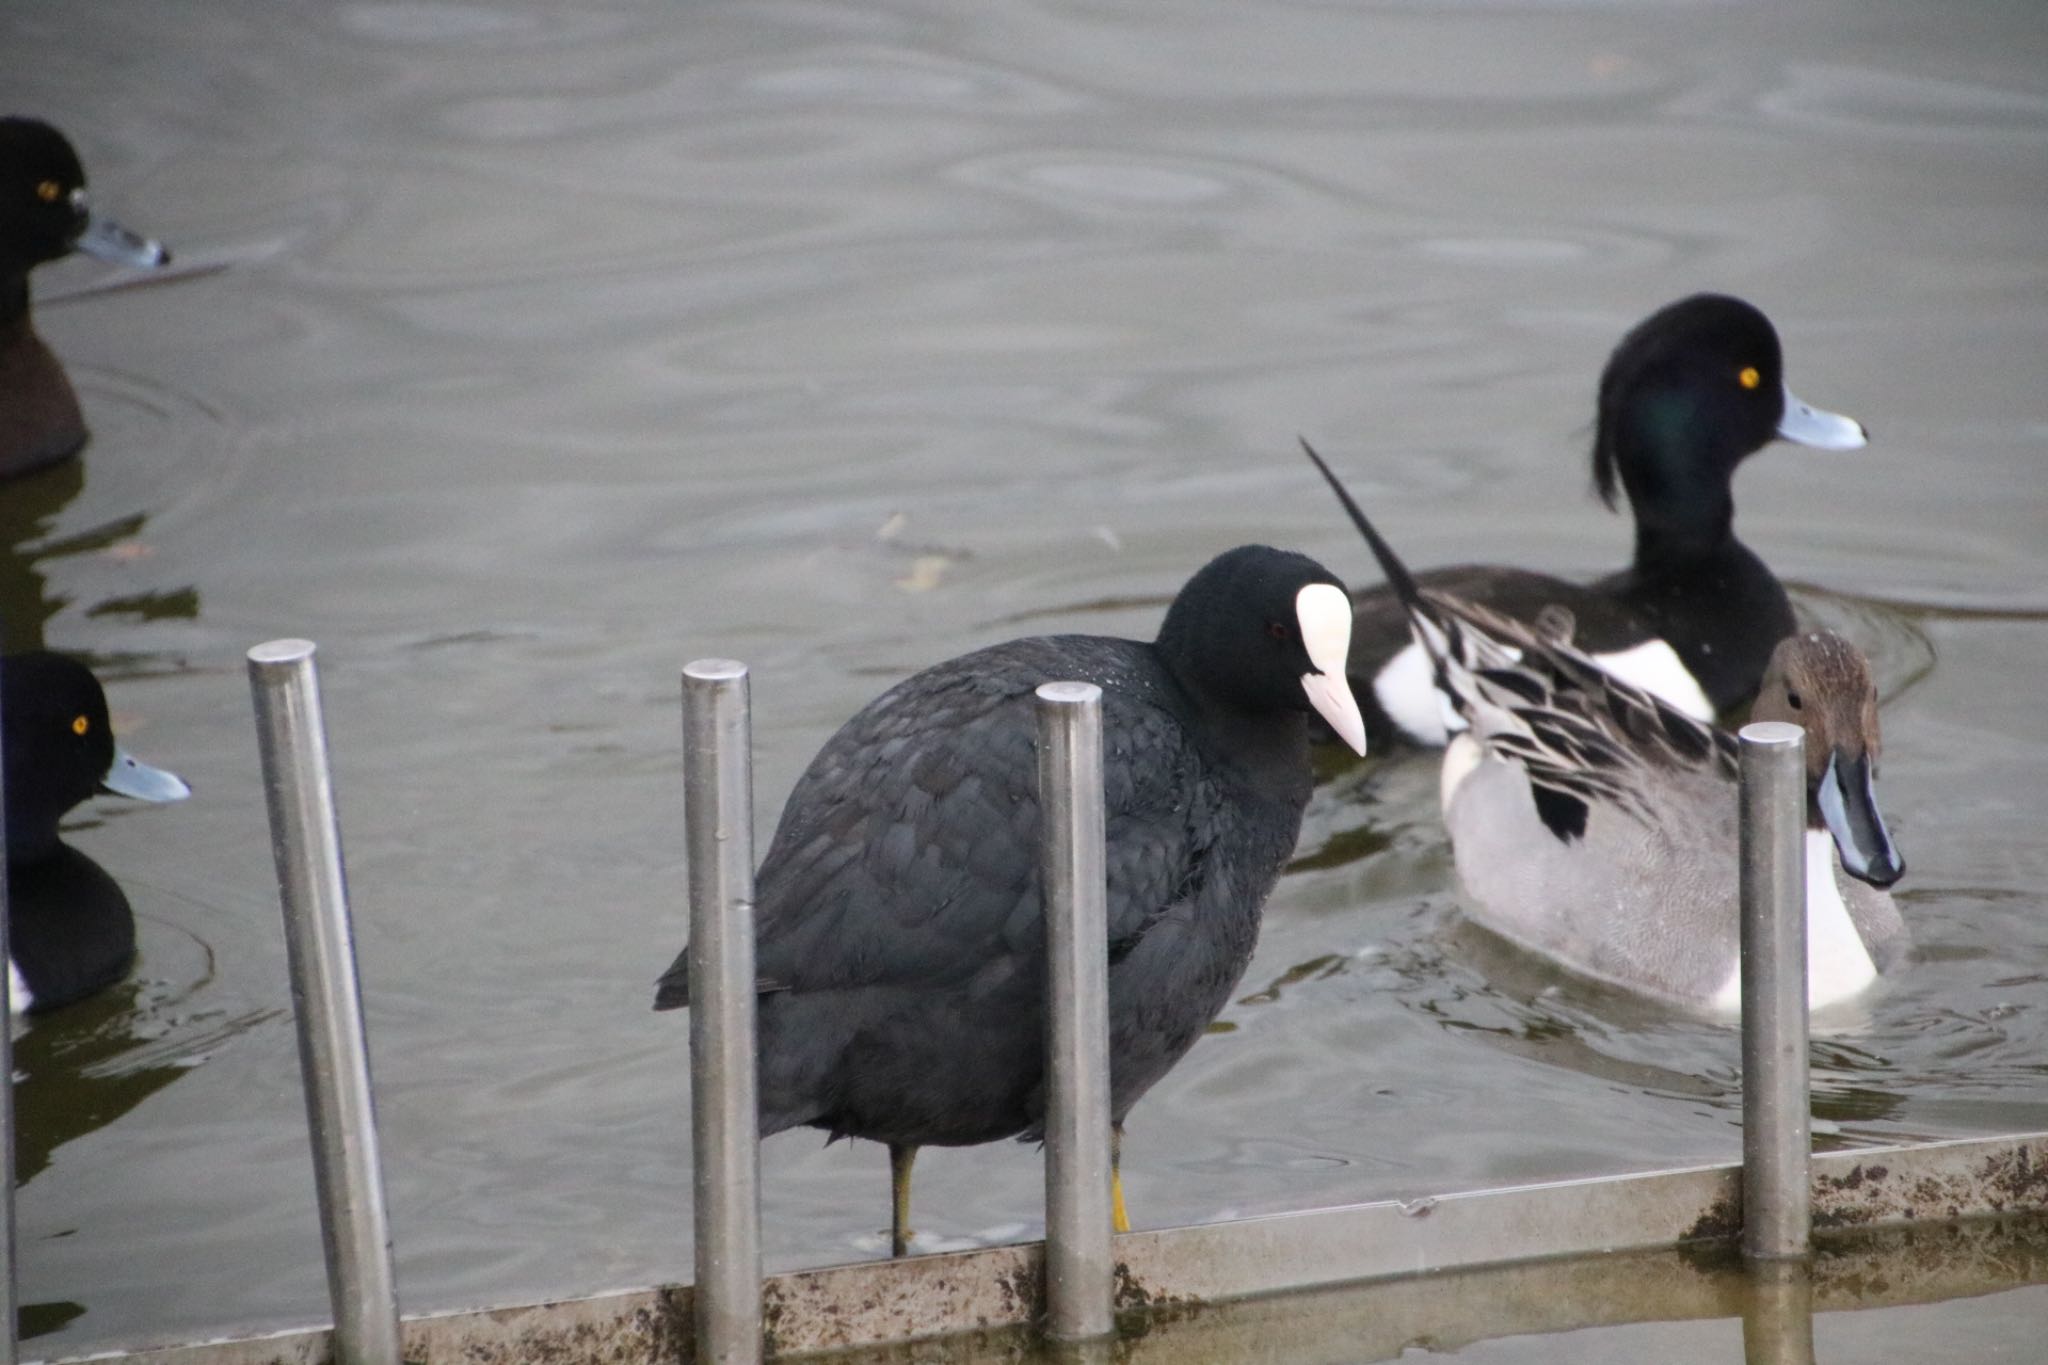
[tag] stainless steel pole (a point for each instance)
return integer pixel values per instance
(1079, 1268)
(1777, 1213)
(334, 1054)
(718, 816)
(10, 1281)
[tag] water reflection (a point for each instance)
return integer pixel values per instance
(1677, 1304)
(80, 1068)
(1777, 1314)
(41, 1319)
(28, 514)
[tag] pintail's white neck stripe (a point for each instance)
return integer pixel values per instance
(1838, 965)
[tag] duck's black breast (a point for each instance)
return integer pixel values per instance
(40, 421)
(900, 924)
(1722, 613)
(70, 931)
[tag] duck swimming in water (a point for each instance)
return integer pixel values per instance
(45, 215)
(1689, 394)
(1594, 823)
(70, 930)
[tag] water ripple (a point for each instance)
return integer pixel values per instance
(1897, 105)
(1103, 183)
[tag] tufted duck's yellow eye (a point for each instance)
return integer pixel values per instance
(80, 724)
(49, 191)
(1749, 378)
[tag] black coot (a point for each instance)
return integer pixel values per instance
(901, 935)
(70, 931)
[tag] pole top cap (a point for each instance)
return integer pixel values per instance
(714, 670)
(286, 651)
(1069, 693)
(1772, 734)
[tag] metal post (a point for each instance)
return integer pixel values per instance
(10, 1286)
(334, 1055)
(718, 816)
(1777, 1213)
(1079, 1268)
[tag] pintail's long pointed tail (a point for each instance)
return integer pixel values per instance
(1430, 626)
(1398, 577)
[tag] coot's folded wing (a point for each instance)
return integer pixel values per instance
(909, 849)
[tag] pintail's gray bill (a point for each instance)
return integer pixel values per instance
(1848, 806)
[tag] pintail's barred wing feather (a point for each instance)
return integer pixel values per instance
(1583, 735)
(1531, 697)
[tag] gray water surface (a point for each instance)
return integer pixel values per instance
(524, 351)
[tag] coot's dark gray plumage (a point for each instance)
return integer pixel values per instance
(900, 927)
(1690, 393)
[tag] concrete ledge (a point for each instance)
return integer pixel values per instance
(1182, 1275)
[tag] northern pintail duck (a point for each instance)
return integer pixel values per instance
(900, 925)
(70, 930)
(1691, 392)
(44, 215)
(1594, 823)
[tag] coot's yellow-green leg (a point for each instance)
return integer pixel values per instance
(1119, 1219)
(901, 1154)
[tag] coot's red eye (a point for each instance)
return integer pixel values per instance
(1279, 630)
